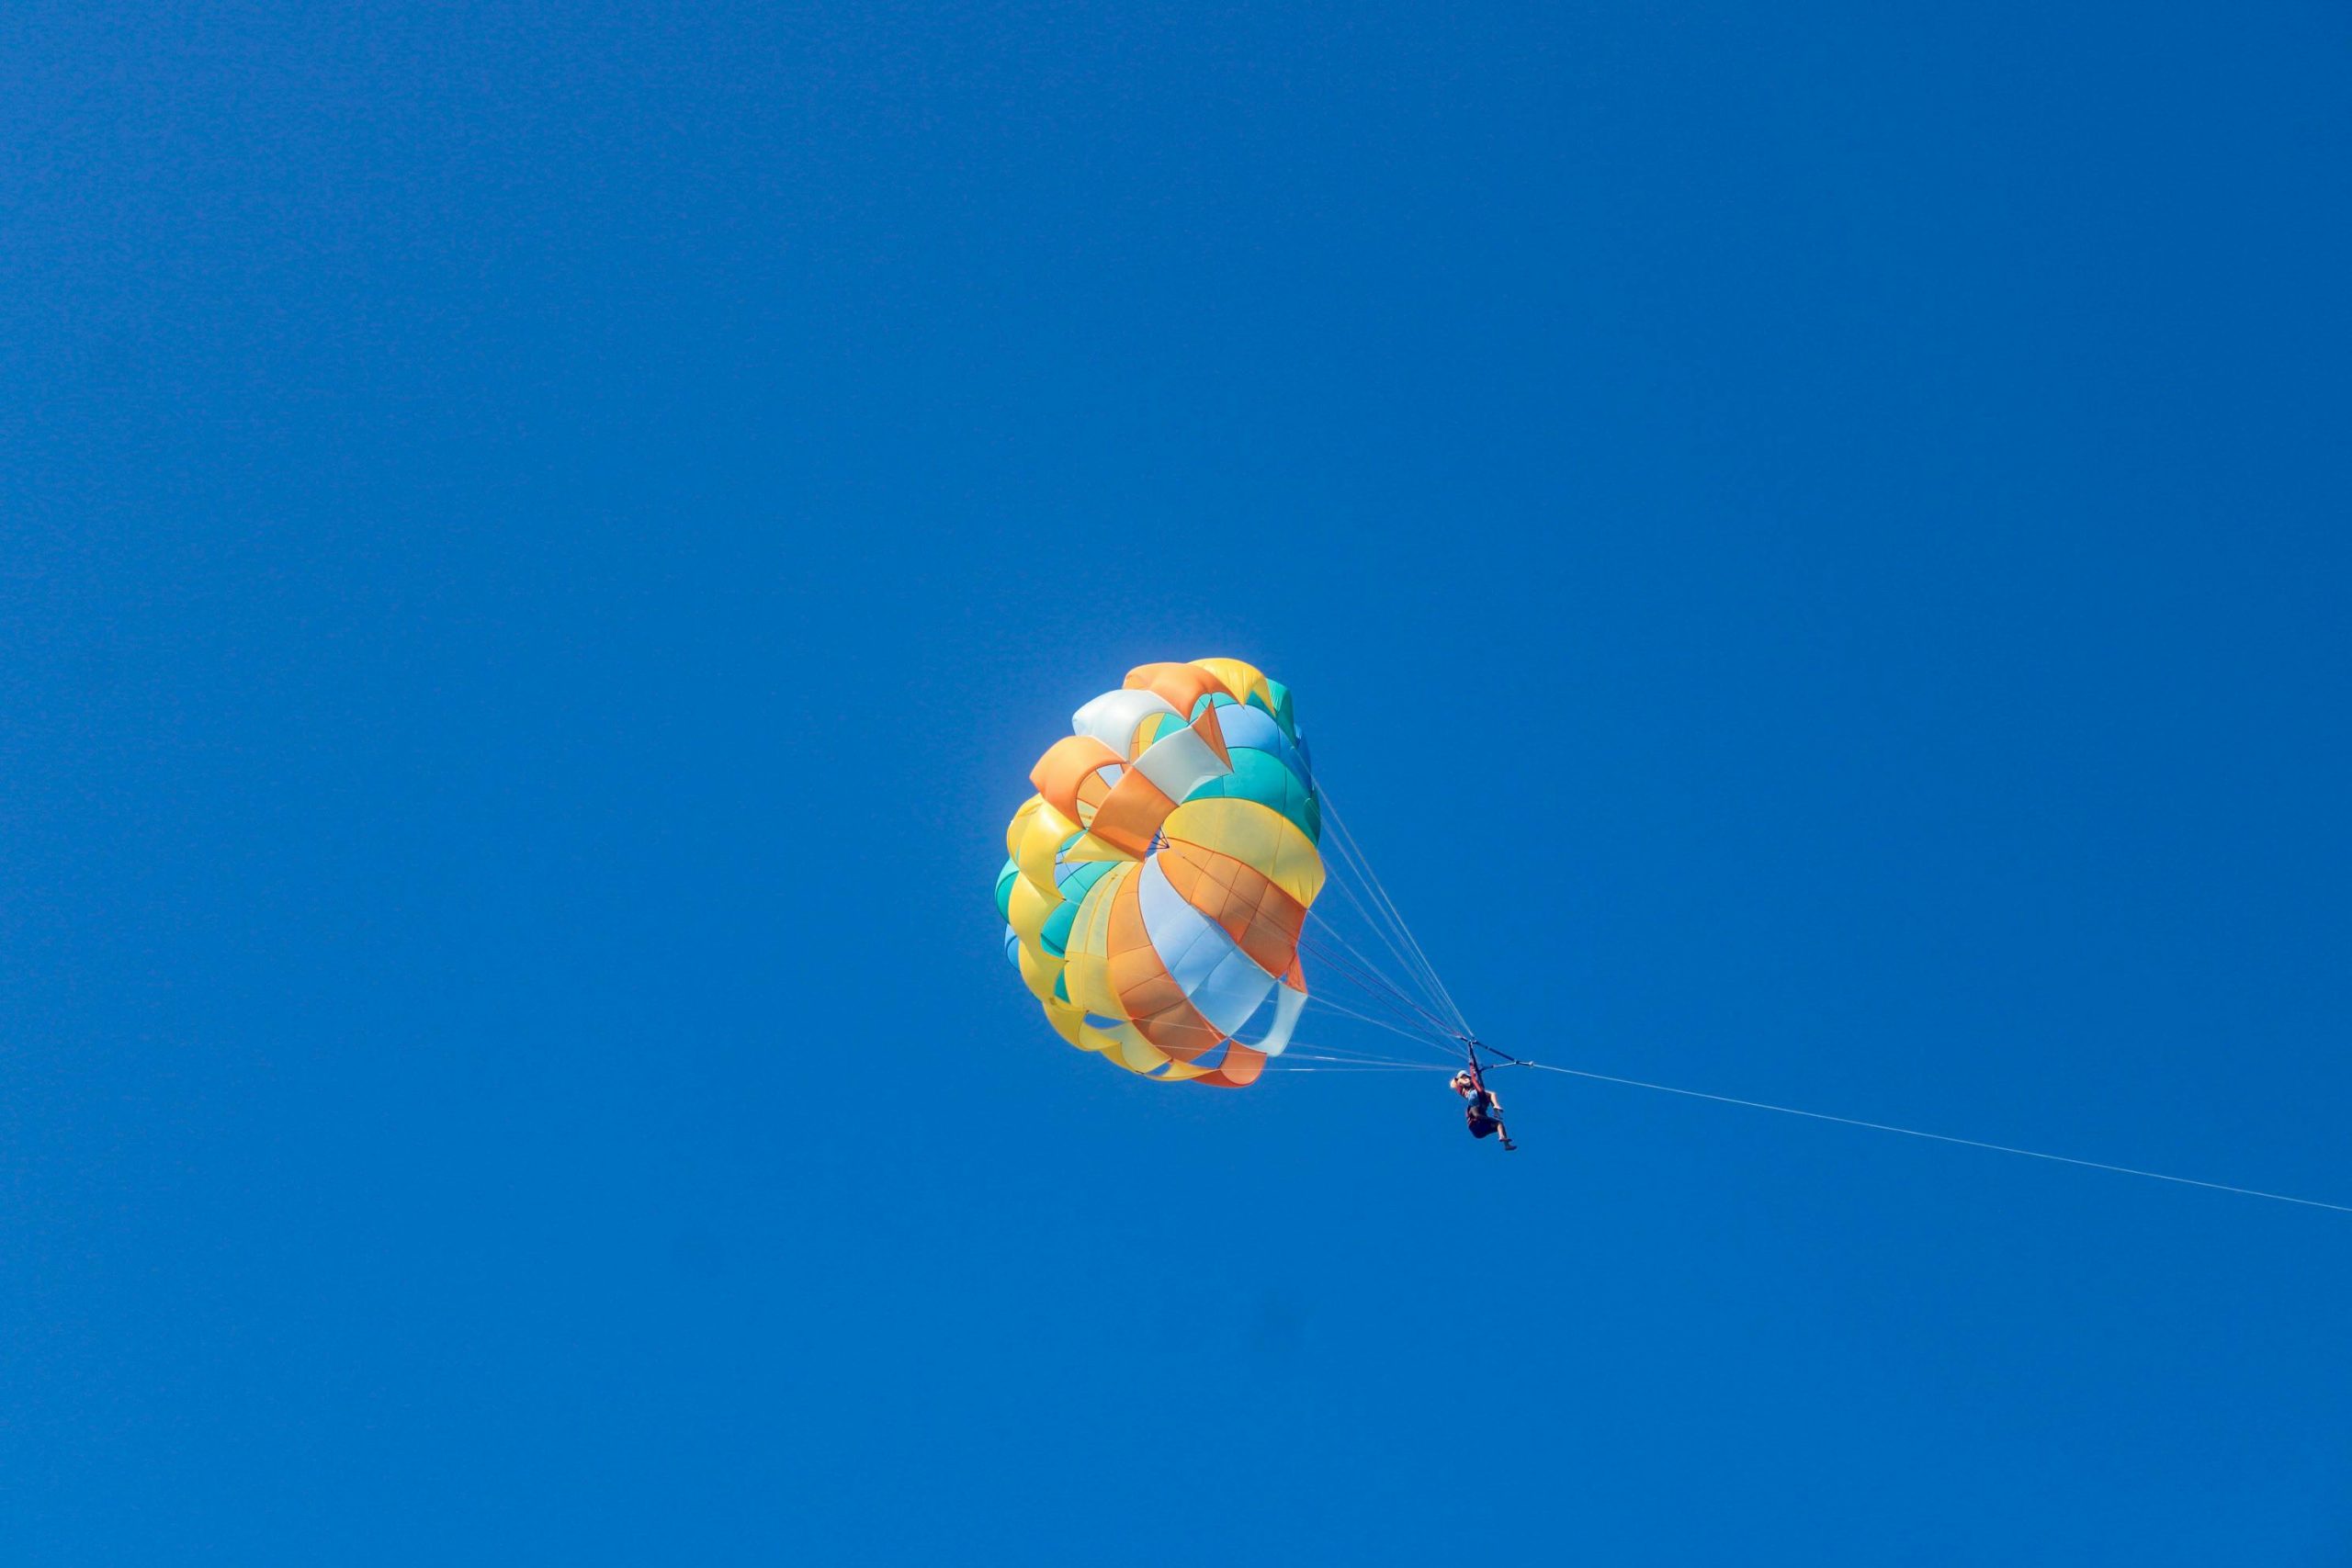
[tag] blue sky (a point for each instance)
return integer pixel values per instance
(537, 546)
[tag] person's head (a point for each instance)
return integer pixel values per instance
(1464, 1083)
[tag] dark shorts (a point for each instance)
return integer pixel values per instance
(1484, 1126)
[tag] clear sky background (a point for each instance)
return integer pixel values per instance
(538, 544)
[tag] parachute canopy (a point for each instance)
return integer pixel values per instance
(1159, 877)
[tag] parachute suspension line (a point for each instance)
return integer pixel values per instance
(1305, 1051)
(1391, 1067)
(1324, 1001)
(1331, 966)
(1347, 873)
(1399, 1009)
(1386, 1015)
(1420, 1038)
(1379, 911)
(1940, 1138)
(1391, 1007)
(1388, 919)
(1322, 936)
(1371, 880)
(1369, 979)
(1338, 869)
(1331, 934)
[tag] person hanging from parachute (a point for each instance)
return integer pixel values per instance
(1481, 1110)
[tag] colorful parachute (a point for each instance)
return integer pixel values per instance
(1160, 875)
